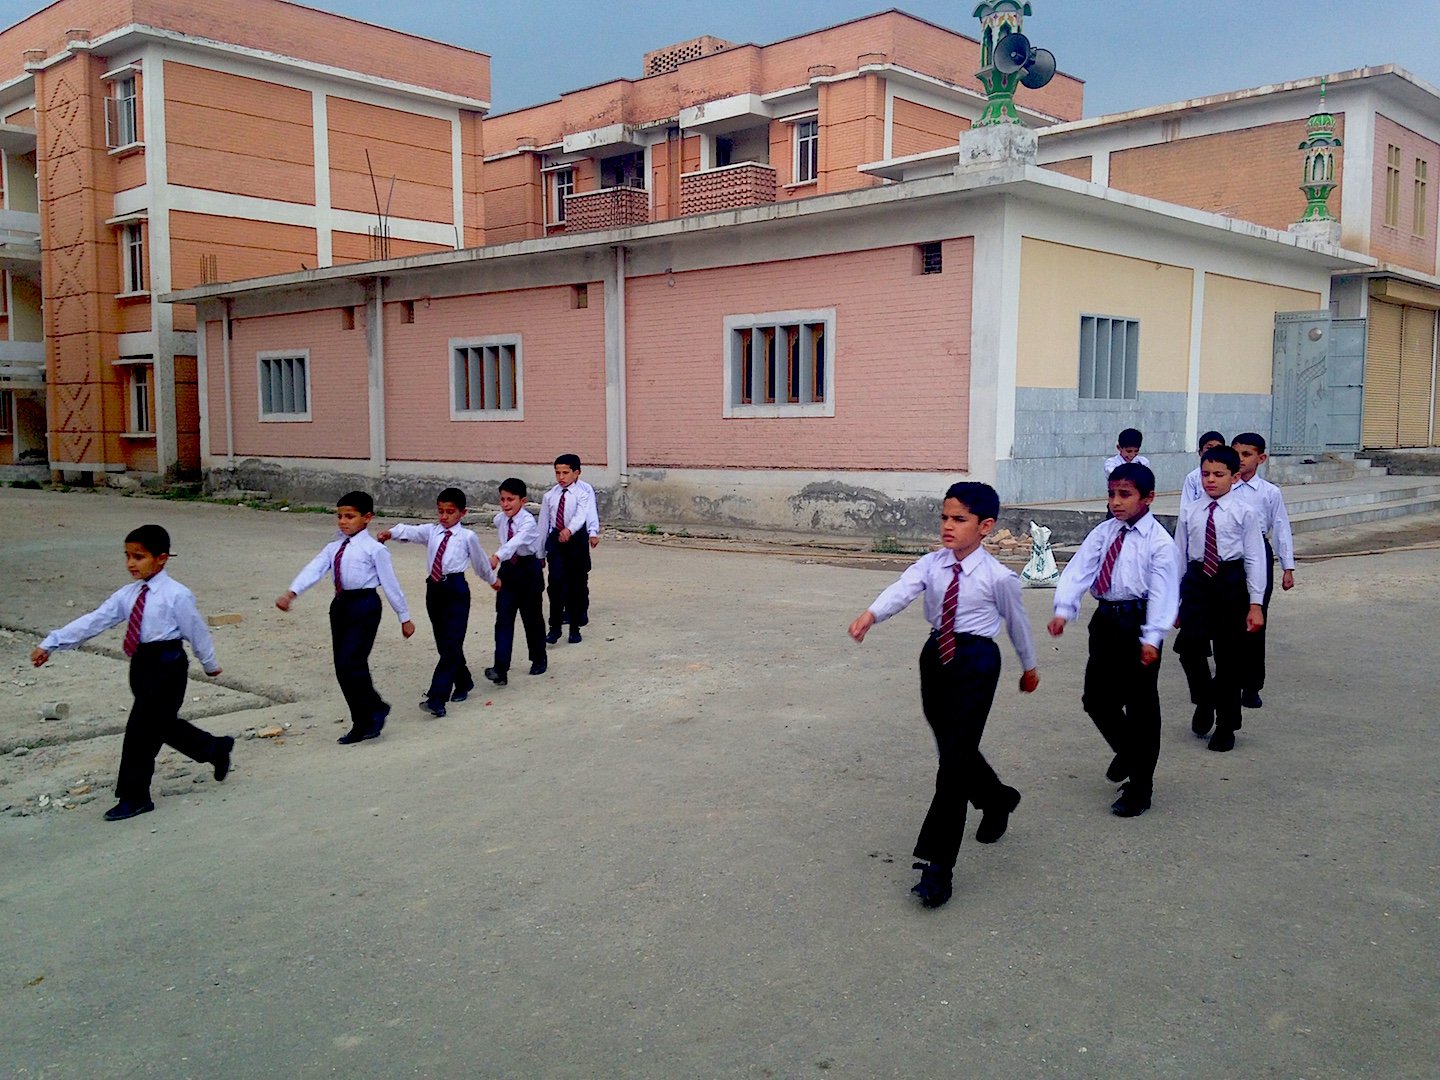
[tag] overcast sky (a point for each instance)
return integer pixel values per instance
(1130, 54)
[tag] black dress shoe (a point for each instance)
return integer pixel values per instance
(358, 734)
(496, 676)
(1202, 721)
(126, 809)
(222, 758)
(1128, 805)
(1222, 741)
(997, 817)
(1251, 700)
(434, 708)
(553, 636)
(461, 695)
(539, 667)
(1117, 771)
(574, 638)
(934, 886)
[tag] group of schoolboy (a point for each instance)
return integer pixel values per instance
(161, 614)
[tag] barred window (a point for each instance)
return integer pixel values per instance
(780, 364)
(1109, 357)
(284, 386)
(486, 379)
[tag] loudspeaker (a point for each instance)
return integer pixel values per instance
(1012, 52)
(1040, 70)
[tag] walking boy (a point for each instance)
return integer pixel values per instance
(160, 616)
(1267, 501)
(357, 564)
(1191, 491)
(967, 594)
(1225, 571)
(517, 560)
(1128, 443)
(569, 527)
(1132, 567)
(450, 547)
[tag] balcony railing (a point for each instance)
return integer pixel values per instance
(729, 187)
(608, 208)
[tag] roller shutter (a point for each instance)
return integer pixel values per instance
(1381, 424)
(1417, 363)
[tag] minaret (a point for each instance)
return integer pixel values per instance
(998, 18)
(1319, 146)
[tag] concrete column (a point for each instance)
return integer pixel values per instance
(617, 450)
(375, 340)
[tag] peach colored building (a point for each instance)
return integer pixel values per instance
(152, 145)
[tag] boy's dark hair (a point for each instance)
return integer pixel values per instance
(1250, 438)
(1209, 436)
(1130, 437)
(453, 495)
(1139, 475)
(980, 499)
(572, 460)
(360, 500)
(1225, 455)
(153, 538)
(513, 485)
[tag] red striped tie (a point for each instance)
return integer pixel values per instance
(137, 616)
(1107, 565)
(1212, 549)
(437, 570)
(947, 617)
(560, 512)
(510, 534)
(338, 555)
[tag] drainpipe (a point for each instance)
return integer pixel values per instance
(617, 437)
(229, 402)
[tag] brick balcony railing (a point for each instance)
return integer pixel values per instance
(729, 187)
(608, 208)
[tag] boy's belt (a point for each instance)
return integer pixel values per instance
(1124, 605)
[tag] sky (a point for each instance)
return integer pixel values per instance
(1130, 55)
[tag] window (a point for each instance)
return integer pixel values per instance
(1392, 186)
(121, 121)
(580, 296)
(407, 311)
(284, 386)
(780, 364)
(562, 183)
(486, 379)
(1422, 176)
(140, 399)
(623, 170)
(807, 151)
(1109, 357)
(132, 257)
(7, 412)
(932, 260)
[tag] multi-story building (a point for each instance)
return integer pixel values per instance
(151, 145)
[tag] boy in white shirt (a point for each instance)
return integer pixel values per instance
(1191, 491)
(1269, 503)
(1128, 445)
(521, 582)
(569, 529)
(160, 616)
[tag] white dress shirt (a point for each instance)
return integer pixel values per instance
(1237, 536)
(1192, 490)
(988, 593)
(1148, 568)
(579, 510)
(463, 550)
(519, 535)
(170, 613)
(1269, 503)
(1112, 463)
(365, 565)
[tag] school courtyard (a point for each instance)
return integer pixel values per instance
(684, 852)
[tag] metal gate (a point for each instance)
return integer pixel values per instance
(1318, 383)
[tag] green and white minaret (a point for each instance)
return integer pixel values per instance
(998, 18)
(1319, 146)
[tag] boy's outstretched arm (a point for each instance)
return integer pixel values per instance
(861, 626)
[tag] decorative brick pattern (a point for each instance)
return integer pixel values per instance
(672, 56)
(608, 208)
(727, 188)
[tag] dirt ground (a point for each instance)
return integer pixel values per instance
(685, 850)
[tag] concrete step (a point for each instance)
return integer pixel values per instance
(1421, 462)
(1322, 498)
(1287, 471)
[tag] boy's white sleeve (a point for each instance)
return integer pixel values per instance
(1010, 602)
(112, 612)
(313, 571)
(1254, 549)
(1163, 588)
(194, 630)
(391, 585)
(1284, 538)
(898, 597)
(478, 557)
(592, 515)
(1079, 574)
(410, 534)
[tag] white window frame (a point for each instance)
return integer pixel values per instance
(265, 374)
(132, 259)
(122, 112)
(478, 354)
(1101, 337)
(812, 160)
(141, 394)
(556, 192)
(7, 412)
(778, 321)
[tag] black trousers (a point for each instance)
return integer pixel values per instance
(956, 698)
(1121, 694)
(158, 673)
(447, 602)
(569, 586)
(1212, 616)
(521, 584)
(354, 621)
(1254, 677)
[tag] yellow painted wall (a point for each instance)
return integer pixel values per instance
(1237, 341)
(1059, 283)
